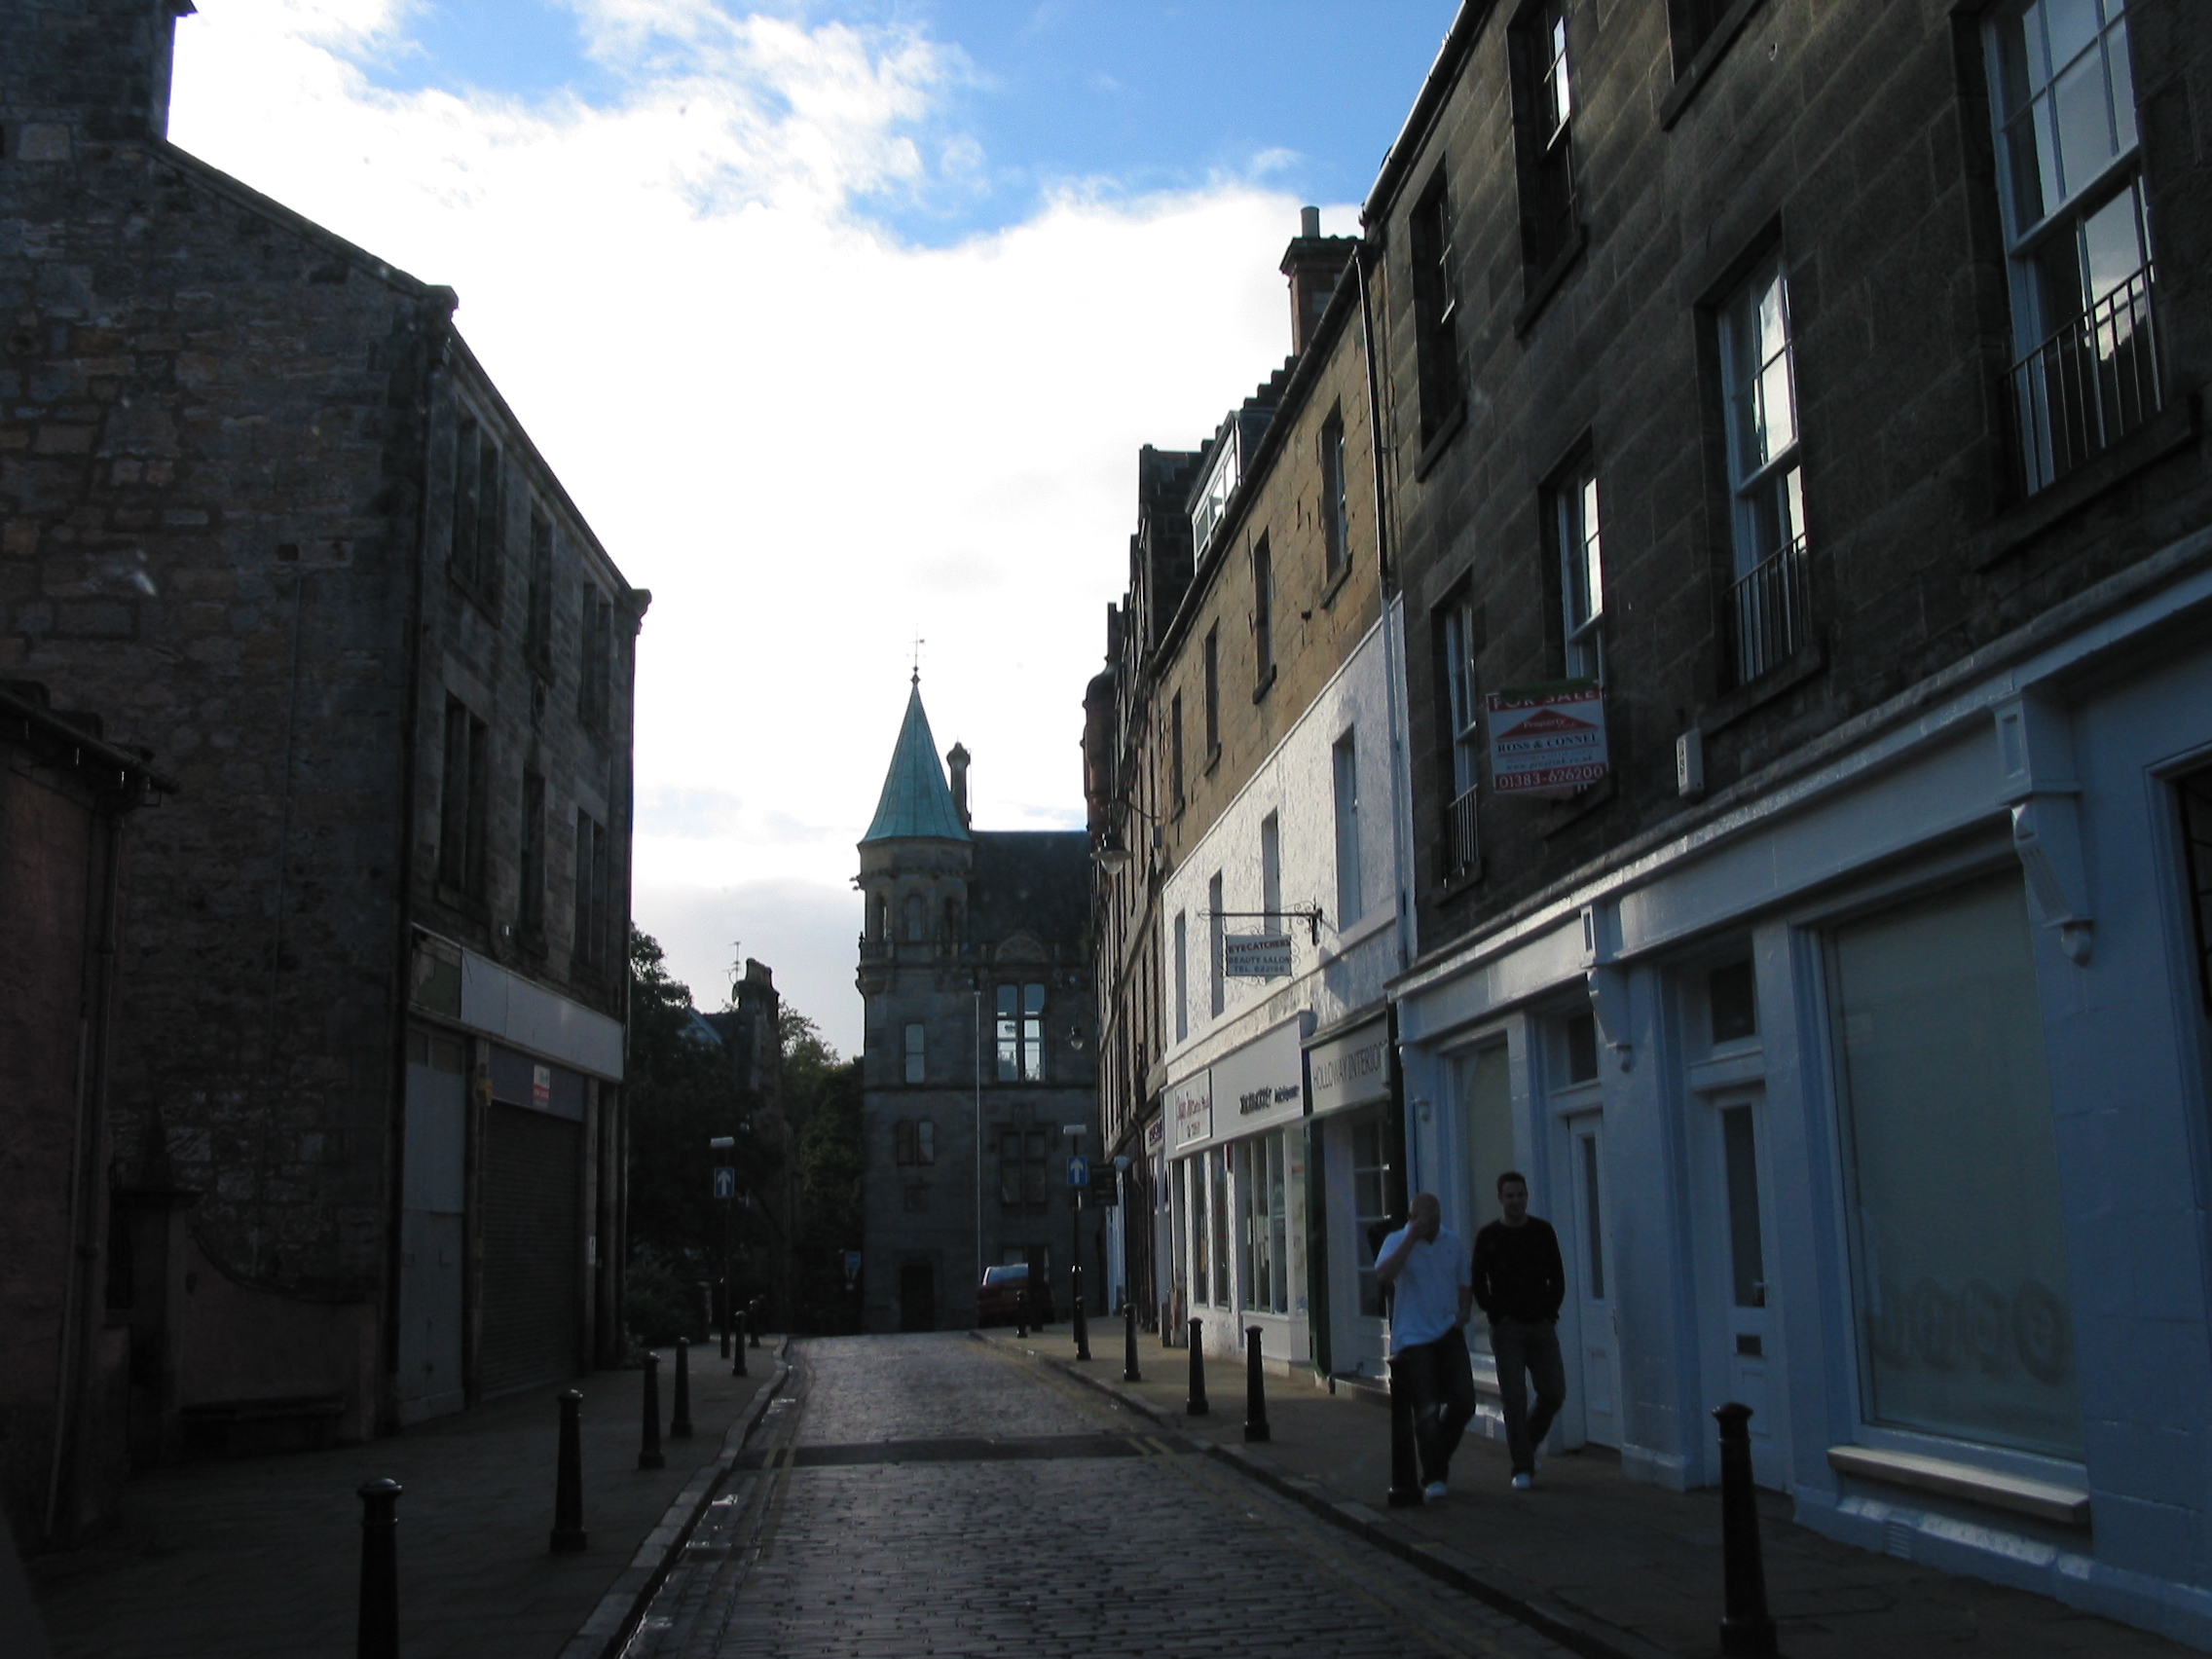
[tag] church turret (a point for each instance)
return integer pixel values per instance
(914, 860)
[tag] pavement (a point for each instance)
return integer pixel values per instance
(260, 1559)
(1606, 1566)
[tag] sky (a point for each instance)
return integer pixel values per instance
(842, 323)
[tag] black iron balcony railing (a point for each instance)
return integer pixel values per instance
(1770, 608)
(2089, 386)
(1461, 847)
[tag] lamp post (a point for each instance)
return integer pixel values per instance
(725, 1195)
(1075, 1134)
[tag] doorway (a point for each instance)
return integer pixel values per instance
(1591, 1275)
(918, 1296)
(1736, 1252)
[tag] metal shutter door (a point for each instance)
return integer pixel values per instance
(533, 1252)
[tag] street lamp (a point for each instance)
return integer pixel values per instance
(727, 1198)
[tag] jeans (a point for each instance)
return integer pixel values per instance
(1527, 1353)
(1439, 1380)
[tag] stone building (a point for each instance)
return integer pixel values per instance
(1805, 397)
(977, 1056)
(1244, 789)
(750, 1031)
(260, 505)
(66, 800)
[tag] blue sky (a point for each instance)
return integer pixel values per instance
(1121, 97)
(842, 324)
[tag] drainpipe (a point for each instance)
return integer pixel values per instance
(88, 1219)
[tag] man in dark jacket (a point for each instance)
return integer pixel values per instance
(1519, 1285)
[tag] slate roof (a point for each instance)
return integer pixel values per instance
(916, 801)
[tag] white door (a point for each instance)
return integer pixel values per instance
(1594, 1372)
(1742, 1252)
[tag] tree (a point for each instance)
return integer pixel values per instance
(681, 1092)
(822, 1094)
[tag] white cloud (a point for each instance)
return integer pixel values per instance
(810, 441)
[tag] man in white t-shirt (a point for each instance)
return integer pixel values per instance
(1432, 1293)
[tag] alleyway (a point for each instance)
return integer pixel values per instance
(934, 1496)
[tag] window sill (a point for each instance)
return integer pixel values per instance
(1213, 760)
(1267, 683)
(2169, 430)
(1447, 429)
(1594, 799)
(1716, 48)
(2044, 1500)
(1792, 673)
(1547, 282)
(1459, 882)
(1336, 585)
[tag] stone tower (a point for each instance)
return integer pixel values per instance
(978, 1053)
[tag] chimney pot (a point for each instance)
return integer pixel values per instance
(956, 762)
(1310, 221)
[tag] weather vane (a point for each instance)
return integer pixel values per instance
(919, 642)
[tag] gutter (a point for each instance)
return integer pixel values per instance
(1442, 74)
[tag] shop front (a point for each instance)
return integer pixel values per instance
(1237, 1176)
(1352, 1144)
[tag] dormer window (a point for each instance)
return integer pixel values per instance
(1221, 484)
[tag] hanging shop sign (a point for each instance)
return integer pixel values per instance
(1190, 1107)
(1548, 739)
(1255, 956)
(1353, 1069)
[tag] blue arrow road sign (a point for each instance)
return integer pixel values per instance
(1079, 1171)
(725, 1181)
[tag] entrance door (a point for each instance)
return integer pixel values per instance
(1591, 1270)
(918, 1296)
(1741, 1253)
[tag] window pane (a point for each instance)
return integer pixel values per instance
(1217, 1164)
(1747, 1253)
(1370, 1182)
(2111, 245)
(1960, 1266)
(2084, 122)
(2071, 26)
(2123, 84)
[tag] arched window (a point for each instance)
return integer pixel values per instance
(882, 929)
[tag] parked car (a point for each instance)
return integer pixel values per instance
(1007, 1297)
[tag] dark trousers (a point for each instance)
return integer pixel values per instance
(1527, 1353)
(1439, 1380)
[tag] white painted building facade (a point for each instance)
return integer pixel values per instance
(1265, 1224)
(1873, 1094)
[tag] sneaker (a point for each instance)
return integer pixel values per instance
(1523, 1481)
(1433, 1490)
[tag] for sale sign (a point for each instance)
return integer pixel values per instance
(1549, 738)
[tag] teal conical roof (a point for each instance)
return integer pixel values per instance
(916, 801)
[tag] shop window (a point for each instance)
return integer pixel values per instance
(2195, 794)
(1485, 1080)
(1263, 1185)
(1194, 1181)
(1217, 1210)
(1371, 1200)
(1959, 1245)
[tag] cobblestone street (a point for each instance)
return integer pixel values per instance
(932, 1496)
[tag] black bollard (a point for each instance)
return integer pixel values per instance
(680, 1419)
(1404, 1471)
(649, 1454)
(1082, 1327)
(738, 1348)
(705, 1308)
(1746, 1628)
(1130, 1372)
(754, 1308)
(377, 1636)
(569, 1478)
(1255, 1389)
(1195, 1405)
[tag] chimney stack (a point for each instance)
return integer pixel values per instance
(98, 75)
(1314, 264)
(956, 762)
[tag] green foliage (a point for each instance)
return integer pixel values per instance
(658, 1303)
(822, 1094)
(683, 1092)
